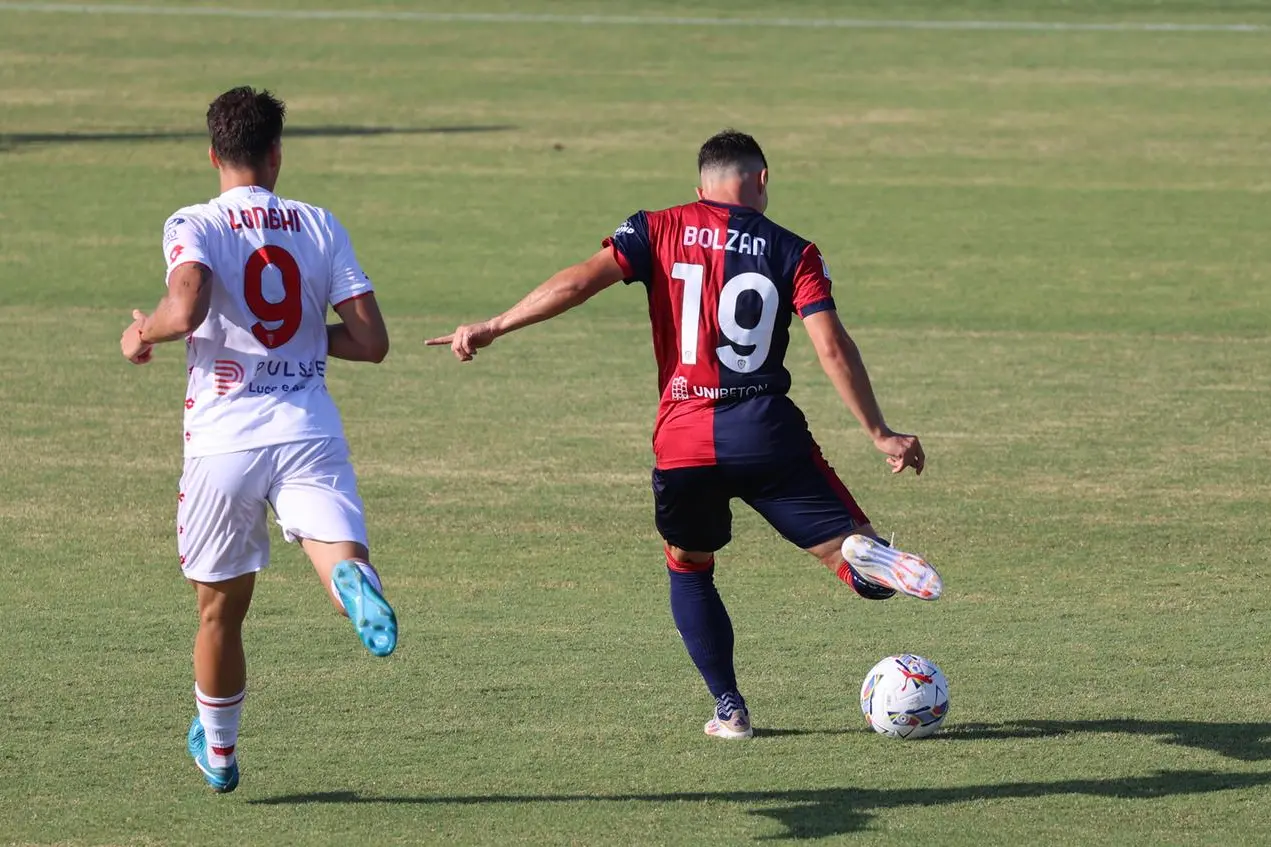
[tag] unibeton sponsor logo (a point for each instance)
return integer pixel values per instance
(682, 390)
(737, 393)
(229, 375)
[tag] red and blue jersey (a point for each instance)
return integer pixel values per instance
(723, 282)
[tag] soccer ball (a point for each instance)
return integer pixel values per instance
(905, 697)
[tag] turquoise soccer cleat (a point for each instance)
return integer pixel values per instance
(222, 780)
(370, 613)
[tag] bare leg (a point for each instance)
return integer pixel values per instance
(875, 570)
(325, 555)
(831, 552)
(220, 667)
(220, 678)
(690, 556)
(359, 596)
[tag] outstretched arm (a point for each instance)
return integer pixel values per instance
(563, 291)
(842, 363)
(178, 314)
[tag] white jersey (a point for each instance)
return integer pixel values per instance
(257, 364)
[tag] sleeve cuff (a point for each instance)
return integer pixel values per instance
(628, 273)
(349, 298)
(193, 259)
(817, 306)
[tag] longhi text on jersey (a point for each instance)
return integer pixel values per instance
(258, 217)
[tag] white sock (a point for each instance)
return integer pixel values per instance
(368, 573)
(220, 717)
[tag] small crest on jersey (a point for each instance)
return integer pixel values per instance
(176, 251)
(170, 234)
(679, 388)
(624, 228)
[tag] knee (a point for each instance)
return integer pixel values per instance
(688, 561)
(223, 606)
(221, 617)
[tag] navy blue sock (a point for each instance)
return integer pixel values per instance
(704, 625)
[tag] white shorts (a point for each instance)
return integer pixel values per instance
(222, 525)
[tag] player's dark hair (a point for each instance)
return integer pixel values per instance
(731, 149)
(243, 124)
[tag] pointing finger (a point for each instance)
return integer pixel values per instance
(442, 340)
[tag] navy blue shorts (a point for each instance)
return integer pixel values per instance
(804, 500)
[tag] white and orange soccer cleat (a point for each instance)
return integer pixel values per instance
(883, 565)
(737, 726)
(731, 719)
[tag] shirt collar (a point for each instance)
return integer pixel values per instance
(244, 191)
(735, 206)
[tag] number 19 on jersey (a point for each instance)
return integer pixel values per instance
(758, 337)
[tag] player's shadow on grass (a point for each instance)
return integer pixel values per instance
(823, 812)
(768, 732)
(9, 141)
(1249, 742)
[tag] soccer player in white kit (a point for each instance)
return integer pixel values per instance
(250, 277)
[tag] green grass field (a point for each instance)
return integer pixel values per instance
(1051, 245)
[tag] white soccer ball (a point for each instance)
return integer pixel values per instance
(905, 697)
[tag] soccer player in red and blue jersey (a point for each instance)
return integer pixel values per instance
(723, 282)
